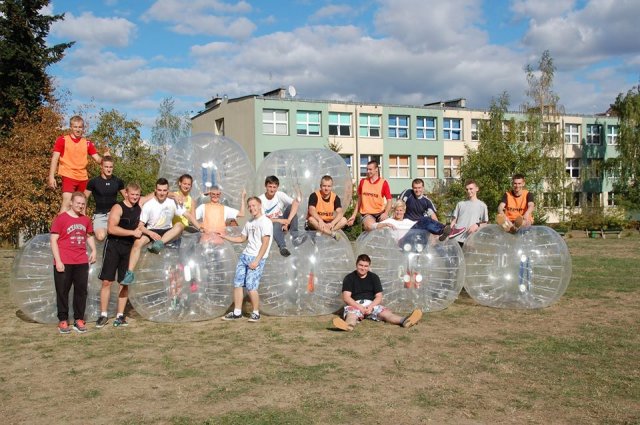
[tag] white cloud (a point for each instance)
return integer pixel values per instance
(214, 48)
(95, 31)
(540, 10)
(209, 17)
(330, 11)
(601, 30)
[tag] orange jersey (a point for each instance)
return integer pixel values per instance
(515, 206)
(325, 209)
(373, 195)
(73, 161)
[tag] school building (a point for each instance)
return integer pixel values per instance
(426, 141)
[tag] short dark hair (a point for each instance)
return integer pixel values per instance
(272, 179)
(373, 161)
(417, 181)
(132, 186)
(326, 178)
(108, 158)
(185, 176)
(470, 181)
(162, 181)
(517, 177)
(363, 257)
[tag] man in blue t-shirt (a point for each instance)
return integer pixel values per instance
(362, 292)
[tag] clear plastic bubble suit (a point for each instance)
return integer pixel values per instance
(33, 290)
(211, 160)
(526, 270)
(309, 281)
(422, 273)
(300, 170)
(190, 283)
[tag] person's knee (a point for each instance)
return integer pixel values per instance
(106, 284)
(101, 234)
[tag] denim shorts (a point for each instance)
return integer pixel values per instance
(245, 277)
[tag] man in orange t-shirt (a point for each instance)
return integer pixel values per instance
(374, 199)
(71, 152)
(516, 209)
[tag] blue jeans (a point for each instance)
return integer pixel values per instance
(416, 233)
(278, 234)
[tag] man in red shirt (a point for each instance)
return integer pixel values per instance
(374, 199)
(70, 234)
(71, 152)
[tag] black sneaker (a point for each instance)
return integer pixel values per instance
(102, 320)
(284, 252)
(231, 316)
(445, 233)
(120, 321)
(255, 317)
(80, 326)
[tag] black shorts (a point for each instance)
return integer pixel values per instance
(115, 259)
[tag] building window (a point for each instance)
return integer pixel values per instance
(593, 134)
(551, 200)
(427, 166)
(611, 200)
(573, 168)
(572, 200)
(308, 123)
(339, 124)
(220, 127)
(275, 121)
(549, 127)
(398, 127)
(595, 168)
(399, 166)
(348, 159)
(426, 128)
(369, 125)
(572, 134)
(475, 130)
(593, 199)
(612, 134)
(364, 160)
(452, 167)
(452, 129)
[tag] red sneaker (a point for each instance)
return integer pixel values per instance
(63, 327)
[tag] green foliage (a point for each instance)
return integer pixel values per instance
(627, 164)
(121, 137)
(599, 218)
(24, 57)
(169, 126)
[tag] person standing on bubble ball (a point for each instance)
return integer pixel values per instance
(70, 159)
(325, 213)
(515, 211)
(258, 232)
(374, 199)
(70, 235)
(362, 294)
(470, 214)
(281, 209)
(124, 228)
(104, 189)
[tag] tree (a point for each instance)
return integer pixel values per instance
(28, 205)
(24, 57)
(134, 159)
(509, 146)
(627, 163)
(169, 126)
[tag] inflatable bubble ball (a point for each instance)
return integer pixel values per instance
(417, 272)
(309, 281)
(300, 171)
(191, 283)
(33, 291)
(526, 270)
(211, 160)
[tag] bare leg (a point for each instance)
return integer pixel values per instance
(105, 292)
(367, 224)
(238, 295)
(100, 234)
(390, 317)
(135, 251)
(66, 201)
(255, 300)
(174, 233)
(123, 294)
(340, 224)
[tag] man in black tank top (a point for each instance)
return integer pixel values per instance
(124, 229)
(104, 189)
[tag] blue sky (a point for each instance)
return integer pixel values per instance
(129, 55)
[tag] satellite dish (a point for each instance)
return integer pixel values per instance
(292, 91)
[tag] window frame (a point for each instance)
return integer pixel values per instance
(594, 138)
(422, 126)
(448, 130)
(396, 168)
(396, 129)
(275, 122)
(569, 134)
(338, 125)
(422, 164)
(368, 126)
(306, 123)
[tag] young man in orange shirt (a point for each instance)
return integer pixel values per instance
(516, 209)
(374, 199)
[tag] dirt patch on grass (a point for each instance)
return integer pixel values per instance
(575, 362)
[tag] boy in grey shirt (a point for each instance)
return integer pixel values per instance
(471, 213)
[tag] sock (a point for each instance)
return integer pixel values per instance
(256, 312)
(237, 312)
(103, 314)
(119, 315)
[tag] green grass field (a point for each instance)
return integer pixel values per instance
(577, 362)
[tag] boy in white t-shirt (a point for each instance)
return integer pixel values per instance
(258, 232)
(281, 209)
